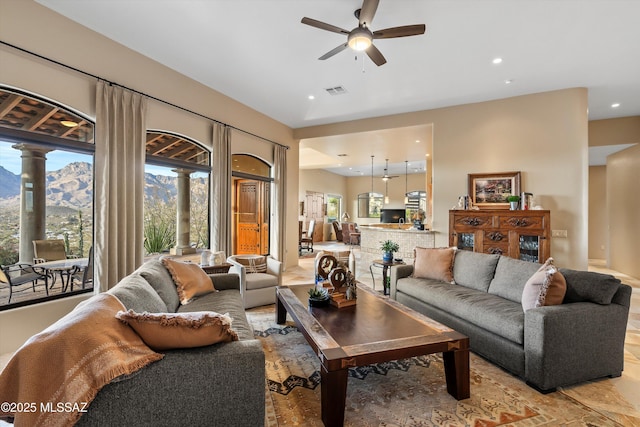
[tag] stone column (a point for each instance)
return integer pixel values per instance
(183, 223)
(33, 198)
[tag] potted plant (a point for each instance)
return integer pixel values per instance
(318, 297)
(513, 202)
(388, 248)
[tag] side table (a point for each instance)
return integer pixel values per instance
(385, 272)
(216, 269)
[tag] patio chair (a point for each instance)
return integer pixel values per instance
(21, 273)
(48, 250)
(84, 275)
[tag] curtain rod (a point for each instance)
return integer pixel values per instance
(77, 70)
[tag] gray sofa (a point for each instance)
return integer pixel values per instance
(218, 385)
(581, 339)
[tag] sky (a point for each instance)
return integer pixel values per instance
(56, 160)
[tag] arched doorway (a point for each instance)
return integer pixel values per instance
(251, 205)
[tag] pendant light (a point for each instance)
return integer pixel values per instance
(406, 194)
(386, 192)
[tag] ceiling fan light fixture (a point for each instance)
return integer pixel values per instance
(360, 39)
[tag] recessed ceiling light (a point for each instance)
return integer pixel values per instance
(497, 60)
(615, 105)
(508, 81)
(311, 97)
(417, 141)
(68, 123)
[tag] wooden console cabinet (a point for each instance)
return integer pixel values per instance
(524, 235)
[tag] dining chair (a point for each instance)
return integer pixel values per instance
(259, 277)
(48, 250)
(22, 273)
(306, 238)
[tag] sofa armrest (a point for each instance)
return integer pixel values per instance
(570, 343)
(222, 281)
(398, 272)
(228, 380)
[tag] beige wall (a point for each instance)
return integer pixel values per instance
(542, 135)
(598, 223)
(623, 175)
(624, 130)
(613, 223)
(81, 48)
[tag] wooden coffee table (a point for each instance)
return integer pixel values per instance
(374, 330)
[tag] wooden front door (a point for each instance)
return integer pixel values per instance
(315, 209)
(251, 227)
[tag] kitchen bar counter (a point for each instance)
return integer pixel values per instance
(404, 235)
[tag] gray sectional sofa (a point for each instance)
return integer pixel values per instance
(217, 385)
(581, 339)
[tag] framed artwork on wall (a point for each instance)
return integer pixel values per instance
(490, 190)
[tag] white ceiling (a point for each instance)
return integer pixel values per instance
(259, 53)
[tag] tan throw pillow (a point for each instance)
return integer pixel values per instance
(433, 264)
(547, 286)
(254, 264)
(191, 280)
(165, 331)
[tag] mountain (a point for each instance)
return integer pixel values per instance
(10, 183)
(72, 187)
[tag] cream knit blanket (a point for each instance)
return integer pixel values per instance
(54, 376)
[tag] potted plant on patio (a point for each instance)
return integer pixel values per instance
(388, 248)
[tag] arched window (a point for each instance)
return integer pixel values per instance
(46, 168)
(176, 165)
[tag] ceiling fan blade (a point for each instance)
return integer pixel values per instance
(334, 51)
(375, 55)
(323, 25)
(367, 12)
(404, 31)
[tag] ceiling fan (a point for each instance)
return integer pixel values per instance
(361, 38)
(386, 176)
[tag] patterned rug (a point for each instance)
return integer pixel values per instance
(410, 392)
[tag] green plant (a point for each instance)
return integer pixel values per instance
(513, 198)
(389, 246)
(158, 237)
(318, 294)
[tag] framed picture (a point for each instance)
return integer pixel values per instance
(490, 190)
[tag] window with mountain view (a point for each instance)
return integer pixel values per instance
(46, 170)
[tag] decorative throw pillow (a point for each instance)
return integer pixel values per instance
(547, 286)
(191, 280)
(433, 264)
(165, 331)
(254, 264)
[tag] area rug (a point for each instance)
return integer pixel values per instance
(409, 392)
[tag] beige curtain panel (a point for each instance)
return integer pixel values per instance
(221, 189)
(278, 236)
(119, 183)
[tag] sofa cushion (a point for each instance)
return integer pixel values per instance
(165, 331)
(589, 286)
(474, 269)
(135, 293)
(494, 314)
(159, 278)
(228, 301)
(432, 263)
(253, 263)
(546, 287)
(510, 278)
(190, 279)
